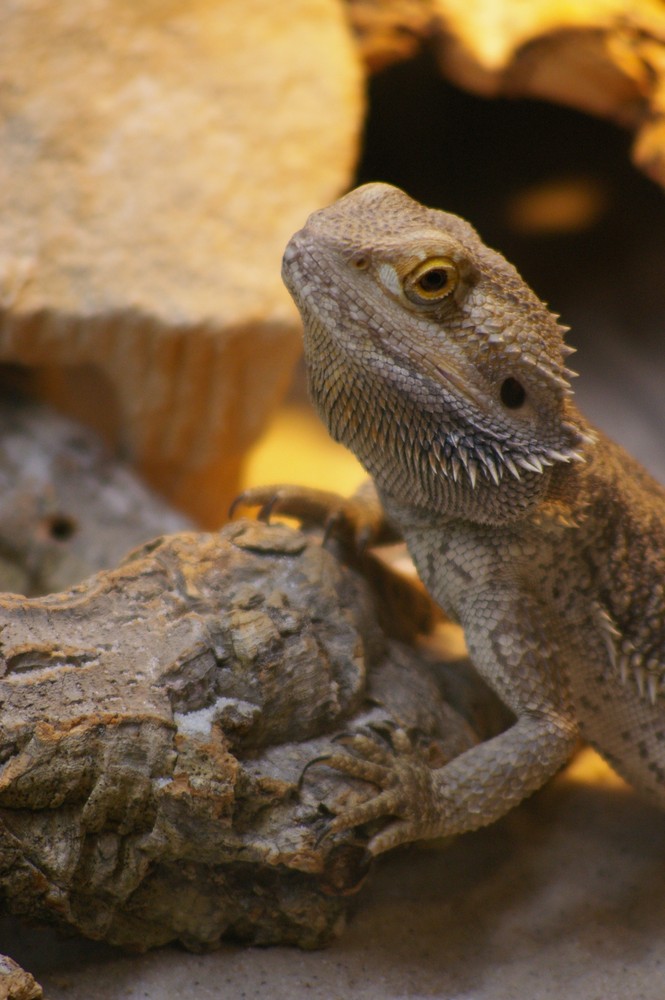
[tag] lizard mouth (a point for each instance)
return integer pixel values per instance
(463, 388)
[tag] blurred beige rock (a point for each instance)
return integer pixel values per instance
(154, 159)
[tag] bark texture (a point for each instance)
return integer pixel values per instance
(157, 718)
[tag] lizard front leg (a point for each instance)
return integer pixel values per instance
(359, 518)
(519, 655)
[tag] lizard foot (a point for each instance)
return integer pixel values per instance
(354, 520)
(388, 759)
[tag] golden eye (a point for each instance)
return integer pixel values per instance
(432, 280)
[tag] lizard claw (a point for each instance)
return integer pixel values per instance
(322, 758)
(355, 520)
(383, 755)
(265, 498)
(333, 525)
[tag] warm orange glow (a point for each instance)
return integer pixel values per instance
(557, 205)
(587, 768)
(297, 449)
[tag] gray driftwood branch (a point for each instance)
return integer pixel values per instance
(67, 507)
(155, 721)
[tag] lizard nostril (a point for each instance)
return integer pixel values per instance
(360, 261)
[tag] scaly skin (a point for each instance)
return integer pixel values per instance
(431, 359)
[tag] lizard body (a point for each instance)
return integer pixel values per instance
(431, 359)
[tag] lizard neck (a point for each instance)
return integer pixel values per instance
(422, 457)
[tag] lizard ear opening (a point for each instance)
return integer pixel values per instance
(512, 393)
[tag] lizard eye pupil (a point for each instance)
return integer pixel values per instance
(513, 394)
(434, 280)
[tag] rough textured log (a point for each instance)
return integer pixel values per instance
(156, 720)
(147, 188)
(602, 56)
(67, 508)
(15, 984)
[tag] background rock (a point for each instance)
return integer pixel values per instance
(15, 984)
(154, 161)
(67, 508)
(602, 56)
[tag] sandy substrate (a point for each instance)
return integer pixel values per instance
(563, 898)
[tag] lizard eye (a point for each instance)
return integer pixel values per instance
(432, 280)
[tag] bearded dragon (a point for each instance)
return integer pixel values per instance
(430, 358)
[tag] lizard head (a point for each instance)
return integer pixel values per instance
(430, 357)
